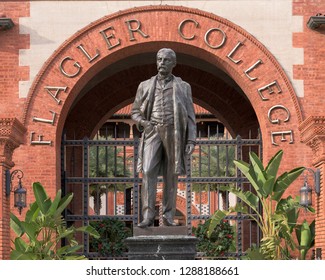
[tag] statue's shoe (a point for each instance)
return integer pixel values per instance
(169, 222)
(145, 223)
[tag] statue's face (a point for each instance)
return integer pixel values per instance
(165, 62)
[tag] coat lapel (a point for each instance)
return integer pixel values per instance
(151, 95)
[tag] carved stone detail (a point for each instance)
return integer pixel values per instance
(312, 133)
(11, 136)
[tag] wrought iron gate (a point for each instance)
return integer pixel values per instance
(102, 175)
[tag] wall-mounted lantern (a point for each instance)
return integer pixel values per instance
(20, 192)
(6, 23)
(316, 21)
(306, 190)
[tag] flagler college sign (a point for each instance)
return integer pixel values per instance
(246, 60)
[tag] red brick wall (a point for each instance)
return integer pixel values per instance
(10, 74)
(10, 71)
(313, 104)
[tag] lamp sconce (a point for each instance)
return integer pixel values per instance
(306, 190)
(6, 23)
(316, 21)
(19, 192)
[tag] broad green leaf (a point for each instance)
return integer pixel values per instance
(276, 196)
(290, 207)
(246, 196)
(258, 169)
(66, 233)
(292, 215)
(47, 249)
(248, 172)
(90, 230)
(15, 224)
(305, 237)
(62, 250)
(55, 203)
(31, 229)
(312, 226)
(298, 233)
(75, 257)
(20, 245)
(287, 178)
(284, 181)
(274, 164)
(254, 253)
(16, 255)
(215, 219)
(310, 209)
(32, 213)
(268, 186)
(47, 205)
(281, 224)
(64, 202)
(41, 197)
(74, 249)
(240, 208)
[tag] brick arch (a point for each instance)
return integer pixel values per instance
(161, 24)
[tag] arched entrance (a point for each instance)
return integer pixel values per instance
(96, 72)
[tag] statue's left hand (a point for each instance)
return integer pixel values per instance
(189, 149)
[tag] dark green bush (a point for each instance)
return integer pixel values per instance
(218, 243)
(111, 241)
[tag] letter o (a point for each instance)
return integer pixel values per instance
(206, 38)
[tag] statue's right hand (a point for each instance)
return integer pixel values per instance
(145, 124)
(148, 127)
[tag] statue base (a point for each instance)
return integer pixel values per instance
(163, 230)
(161, 243)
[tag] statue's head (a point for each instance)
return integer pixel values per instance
(166, 61)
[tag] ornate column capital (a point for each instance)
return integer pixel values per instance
(11, 136)
(312, 133)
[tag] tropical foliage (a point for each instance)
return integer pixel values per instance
(279, 215)
(39, 236)
(218, 243)
(306, 237)
(112, 235)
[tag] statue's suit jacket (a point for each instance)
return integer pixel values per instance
(184, 117)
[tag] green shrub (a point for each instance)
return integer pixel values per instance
(219, 242)
(112, 235)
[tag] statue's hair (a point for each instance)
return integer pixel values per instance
(173, 54)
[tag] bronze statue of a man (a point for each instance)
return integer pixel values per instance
(163, 110)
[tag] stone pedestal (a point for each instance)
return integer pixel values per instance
(161, 247)
(163, 230)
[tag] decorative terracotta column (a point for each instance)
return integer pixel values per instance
(11, 136)
(313, 135)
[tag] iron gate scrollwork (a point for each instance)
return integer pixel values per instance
(102, 175)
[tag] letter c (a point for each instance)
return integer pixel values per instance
(180, 28)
